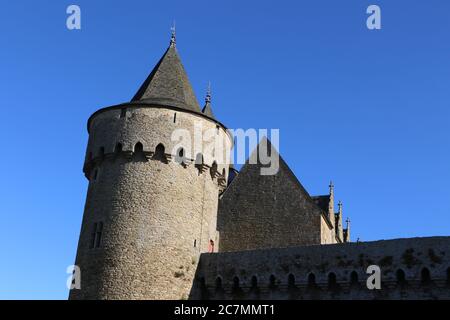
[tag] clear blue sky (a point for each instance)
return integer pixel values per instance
(368, 109)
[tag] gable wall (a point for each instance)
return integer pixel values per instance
(266, 212)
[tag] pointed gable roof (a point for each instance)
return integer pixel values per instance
(168, 84)
(252, 171)
(275, 209)
(250, 175)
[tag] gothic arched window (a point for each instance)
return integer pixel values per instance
(272, 280)
(160, 153)
(138, 147)
(425, 276)
(218, 283)
(332, 282)
(353, 278)
(236, 285)
(118, 148)
(400, 275)
(291, 281)
(311, 280)
(254, 282)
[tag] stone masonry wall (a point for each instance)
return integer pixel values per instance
(336, 271)
(258, 211)
(157, 215)
(327, 234)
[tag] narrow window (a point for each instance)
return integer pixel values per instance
(118, 148)
(203, 289)
(195, 243)
(138, 153)
(353, 278)
(160, 153)
(96, 235)
(217, 129)
(95, 175)
(123, 112)
(401, 279)
(236, 286)
(175, 117)
(93, 234)
(254, 282)
(332, 283)
(138, 147)
(99, 234)
(291, 281)
(211, 246)
(311, 280)
(272, 281)
(218, 283)
(425, 276)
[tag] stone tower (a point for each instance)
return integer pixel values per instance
(151, 206)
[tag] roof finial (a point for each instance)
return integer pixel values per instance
(173, 36)
(340, 207)
(348, 222)
(208, 93)
(331, 187)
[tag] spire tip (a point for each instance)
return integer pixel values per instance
(173, 35)
(208, 93)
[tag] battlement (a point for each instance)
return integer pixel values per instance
(138, 153)
(127, 132)
(413, 268)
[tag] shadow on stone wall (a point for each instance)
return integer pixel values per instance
(417, 268)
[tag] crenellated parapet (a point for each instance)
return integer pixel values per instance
(159, 154)
(415, 268)
(188, 138)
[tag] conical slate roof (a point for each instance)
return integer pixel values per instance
(168, 84)
(207, 110)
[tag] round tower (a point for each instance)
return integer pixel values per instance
(151, 205)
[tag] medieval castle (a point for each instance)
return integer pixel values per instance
(159, 224)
